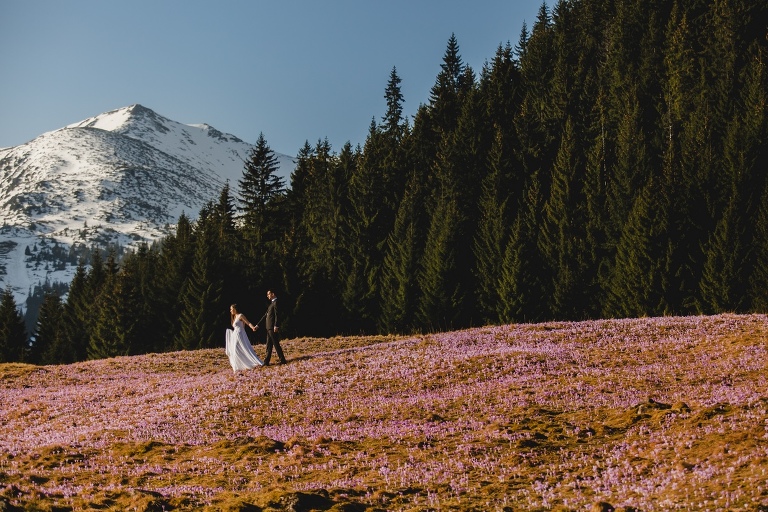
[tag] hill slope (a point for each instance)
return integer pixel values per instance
(120, 177)
(648, 414)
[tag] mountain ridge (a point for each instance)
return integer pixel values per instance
(121, 177)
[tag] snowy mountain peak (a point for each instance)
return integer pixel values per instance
(120, 177)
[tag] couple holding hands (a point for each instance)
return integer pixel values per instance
(238, 347)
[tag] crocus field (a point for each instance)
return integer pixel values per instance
(641, 414)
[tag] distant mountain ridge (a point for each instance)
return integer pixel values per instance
(120, 177)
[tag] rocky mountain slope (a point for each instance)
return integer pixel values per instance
(121, 177)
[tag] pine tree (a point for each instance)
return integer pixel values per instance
(241, 264)
(112, 333)
(203, 308)
(758, 277)
(394, 173)
(492, 232)
(392, 123)
(637, 286)
(293, 239)
(122, 310)
(446, 94)
(13, 336)
(521, 290)
(722, 287)
(74, 321)
(367, 226)
(260, 186)
(564, 237)
(47, 347)
(175, 267)
(319, 252)
(399, 288)
(97, 277)
(532, 125)
(440, 301)
(140, 275)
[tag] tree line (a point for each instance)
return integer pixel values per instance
(611, 164)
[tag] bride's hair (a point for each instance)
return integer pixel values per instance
(232, 313)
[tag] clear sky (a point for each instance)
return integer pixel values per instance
(294, 70)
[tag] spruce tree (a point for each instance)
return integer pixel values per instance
(758, 277)
(203, 307)
(140, 273)
(392, 123)
(241, 264)
(446, 94)
(74, 321)
(492, 232)
(108, 339)
(319, 252)
(440, 301)
(13, 336)
(48, 345)
(399, 287)
(121, 315)
(175, 267)
(521, 289)
(261, 192)
(744, 151)
(637, 286)
(563, 238)
(722, 287)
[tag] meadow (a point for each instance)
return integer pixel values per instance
(640, 414)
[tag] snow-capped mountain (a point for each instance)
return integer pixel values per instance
(122, 177)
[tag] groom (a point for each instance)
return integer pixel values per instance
(273, 337)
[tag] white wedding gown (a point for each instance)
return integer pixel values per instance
(239, 349)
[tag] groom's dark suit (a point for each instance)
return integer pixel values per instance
(273, 338)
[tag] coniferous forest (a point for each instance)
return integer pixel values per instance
(611, 163)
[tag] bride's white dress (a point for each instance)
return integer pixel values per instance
(239, 349)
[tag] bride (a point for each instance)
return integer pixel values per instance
(238, 346)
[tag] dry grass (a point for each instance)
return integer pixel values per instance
(647, 414)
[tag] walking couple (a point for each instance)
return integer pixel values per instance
(238, 347)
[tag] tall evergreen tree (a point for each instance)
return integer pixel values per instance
(722, 287)
(563, 237)
(74, 321)
(521, 290)
(637, 286)
(47, 347)
(261, 191)
(293, 241)
(399, 287)
(367, 226)
(174, 268)
(441, 299)
(13, 336)
(318, 301)
(758, 276)
(446, 94)
(118, 314)
(240, 264)
(492, 232)
(203, 308)
(120, 311)
(140, 275)
(392, 123)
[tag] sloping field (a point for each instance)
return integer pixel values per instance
(643, 414)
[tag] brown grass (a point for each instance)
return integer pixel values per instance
(649, 414)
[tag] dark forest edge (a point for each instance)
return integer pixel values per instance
(611, 164)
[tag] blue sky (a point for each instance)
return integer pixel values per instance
(294, 70)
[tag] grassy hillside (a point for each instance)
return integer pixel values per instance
(646, 414)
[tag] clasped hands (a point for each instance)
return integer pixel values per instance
(254, 327)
